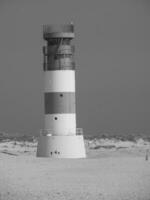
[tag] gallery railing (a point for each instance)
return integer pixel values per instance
(45, 132)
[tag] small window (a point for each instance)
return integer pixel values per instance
(55, 118)
(61, 95)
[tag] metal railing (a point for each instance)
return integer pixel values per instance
(69, 28)
(45, 132)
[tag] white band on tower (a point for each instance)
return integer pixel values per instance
(61, 124)
(59, 81)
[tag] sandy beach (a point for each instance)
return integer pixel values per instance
(113, 170)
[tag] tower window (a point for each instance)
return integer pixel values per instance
(61, 95)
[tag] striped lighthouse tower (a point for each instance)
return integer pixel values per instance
(59, 138)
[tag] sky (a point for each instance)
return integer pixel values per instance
(112, 63)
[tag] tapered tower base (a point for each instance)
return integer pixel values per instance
(61, 146)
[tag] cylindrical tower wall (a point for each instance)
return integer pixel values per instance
(59, 89)
(59, 139)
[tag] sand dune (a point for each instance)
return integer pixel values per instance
(114, 170)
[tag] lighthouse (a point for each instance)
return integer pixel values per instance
(60, 137)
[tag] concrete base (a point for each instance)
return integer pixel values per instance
(61, 146)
